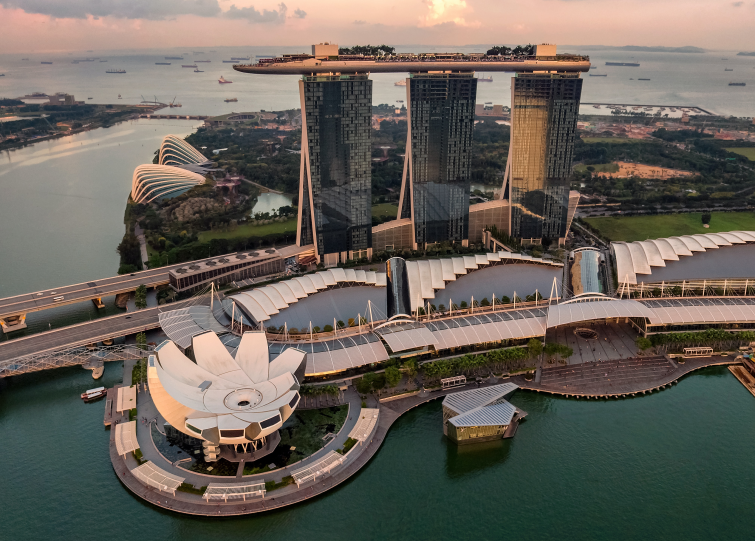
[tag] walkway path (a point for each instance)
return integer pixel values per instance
(617, 378)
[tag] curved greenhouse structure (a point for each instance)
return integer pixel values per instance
(155, 182)
(177, 152)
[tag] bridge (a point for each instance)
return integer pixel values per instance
(13, 310)
(222, 268)
(69, 345)
(179, 117)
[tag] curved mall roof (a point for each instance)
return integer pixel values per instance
(222, 399)
(638, 258)
(152, 182)
(176, 151)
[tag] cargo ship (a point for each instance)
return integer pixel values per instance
(229, 61)
(162, 63)
(737, 84)
(239, 58)
(598, 75)
(188, 65)
(45, 62)
(229, 100)
(642, 79)
(115, 71)
(174, 58)
(197, 70)
(626, 64)
(202, 61)
(728, 69)
(224, 81)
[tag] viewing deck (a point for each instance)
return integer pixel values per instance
(308, 65)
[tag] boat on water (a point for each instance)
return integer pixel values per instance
(162, 63)
(90, 98)
(174, 58)
(483, 79)
(202, 61)
(598, 75)
(188, 65)
(596, 106)
(115, 71)
(45, 62)
(103, 60)
(643, 79)
(93, 394)
(224, 81)
(196, 70)
(228, 100)
(737, 84)
(402, 82)
(728, 69)
(239, 58)
(119, 97)
(625, 64)
(229, 61)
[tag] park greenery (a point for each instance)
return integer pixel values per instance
(527, 50)
(718, 339)
(140, 296)
(367, 50)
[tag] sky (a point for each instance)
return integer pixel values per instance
(28, 26)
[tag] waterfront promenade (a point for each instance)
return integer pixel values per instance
(622, 378)
(617, 378)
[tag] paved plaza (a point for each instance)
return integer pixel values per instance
(615, 341)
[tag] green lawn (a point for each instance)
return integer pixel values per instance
(599, 167)
(615, 140)
(747, 152)
(385, 209)
(670, 225)
(248, 230)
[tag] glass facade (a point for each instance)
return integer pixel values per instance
(336, 179)
(441, 110)
(545, 107)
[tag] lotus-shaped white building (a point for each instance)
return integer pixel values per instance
(222, 399)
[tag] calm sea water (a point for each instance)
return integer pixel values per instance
(672, 465)
(676, 79)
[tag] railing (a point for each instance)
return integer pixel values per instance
(70, 357)
(688, 288)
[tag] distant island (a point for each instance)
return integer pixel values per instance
(746, 54)
(638, 48)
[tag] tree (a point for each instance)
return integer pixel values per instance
(140, 296)
(643, 343)
(141, 341)
(535, 347)
(706, 218)
(392, 376)
(130, 251)
(410, 367)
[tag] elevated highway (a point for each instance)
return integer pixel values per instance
(13, 310)
(29, 353)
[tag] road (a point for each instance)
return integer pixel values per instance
(83, 333)
(42, 300)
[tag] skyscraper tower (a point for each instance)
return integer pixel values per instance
(544, 110)
(335, 179)
(435, 185)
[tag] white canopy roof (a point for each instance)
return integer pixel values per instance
(633, 258)
(573, 312)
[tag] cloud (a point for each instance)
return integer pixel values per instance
(299, 13)
(123, 9)
(446, 11)
(263, 16)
